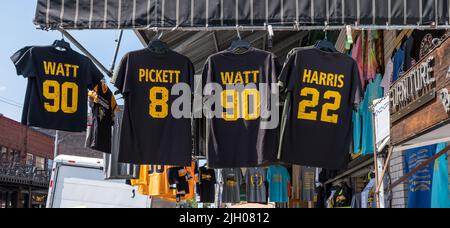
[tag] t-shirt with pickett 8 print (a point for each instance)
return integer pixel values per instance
(236, 139)
(57, 87)
(150, 133)
(324, 87)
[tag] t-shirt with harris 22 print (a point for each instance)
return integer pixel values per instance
(236, 139)
(324, 87)
(150, 133)
(57, 87)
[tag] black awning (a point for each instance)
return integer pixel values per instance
(129, 14)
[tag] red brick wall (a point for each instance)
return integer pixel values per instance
(26, 140)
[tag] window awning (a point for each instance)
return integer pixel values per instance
(253, 14)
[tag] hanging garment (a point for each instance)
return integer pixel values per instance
(367, 195)
(187, 185)
(232, 181)
(324, 87)
(358, 56)
(255, 179)
(278, 178)
(206, 185)
(57, 87)
(399, 59)
(308, 183)
(387, 78)
(356, 201)
(113, 168)
(149, 127)
(440, 196)
(420, 183)
(237, 138)
(103, 106)
(373, 92)
(330, 200)
(371, 64)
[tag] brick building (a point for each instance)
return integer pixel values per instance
(26, 156)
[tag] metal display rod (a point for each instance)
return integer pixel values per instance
(86, 52)
(296, 28)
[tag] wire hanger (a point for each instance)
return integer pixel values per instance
(240, 45)
(324, 44)
(61, 45)
(156, 45)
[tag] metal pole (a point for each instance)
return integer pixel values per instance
(55, 150)
(30, 197)
(85, 51)
(375, 157)
(116, 52)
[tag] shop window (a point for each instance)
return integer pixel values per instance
(40, 163)
(30, 159)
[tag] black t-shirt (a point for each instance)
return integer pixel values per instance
(324, 87)
(57, 87)
(179, 177)
(207, 185)
(236, 139)
(150, 133)
(100, 133)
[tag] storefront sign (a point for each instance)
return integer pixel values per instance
(416, 112)
(413, 90)
(445, 98)
(382, 120)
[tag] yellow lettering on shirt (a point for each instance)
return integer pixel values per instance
(60, 69)
(159, 76)
(323, 78)
(240, 77)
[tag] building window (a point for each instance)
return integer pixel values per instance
(3, 153)
(30, 159)
(14, 155)
(40, 163)
(49, 164)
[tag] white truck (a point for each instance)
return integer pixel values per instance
(78, 182)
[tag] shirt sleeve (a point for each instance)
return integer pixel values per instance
(119, 79)
(356, 95)
(95, 76)
(23, 61)
(285, 78)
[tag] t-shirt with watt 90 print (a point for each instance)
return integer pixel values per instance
(58, 83)
(236, 138)
(150, 132)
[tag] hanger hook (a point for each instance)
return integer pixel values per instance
(238, 32)
(325, 30)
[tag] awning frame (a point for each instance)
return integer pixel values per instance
(215, 15)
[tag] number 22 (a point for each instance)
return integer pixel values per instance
(314, 102)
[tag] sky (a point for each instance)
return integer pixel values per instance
(19, 31)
